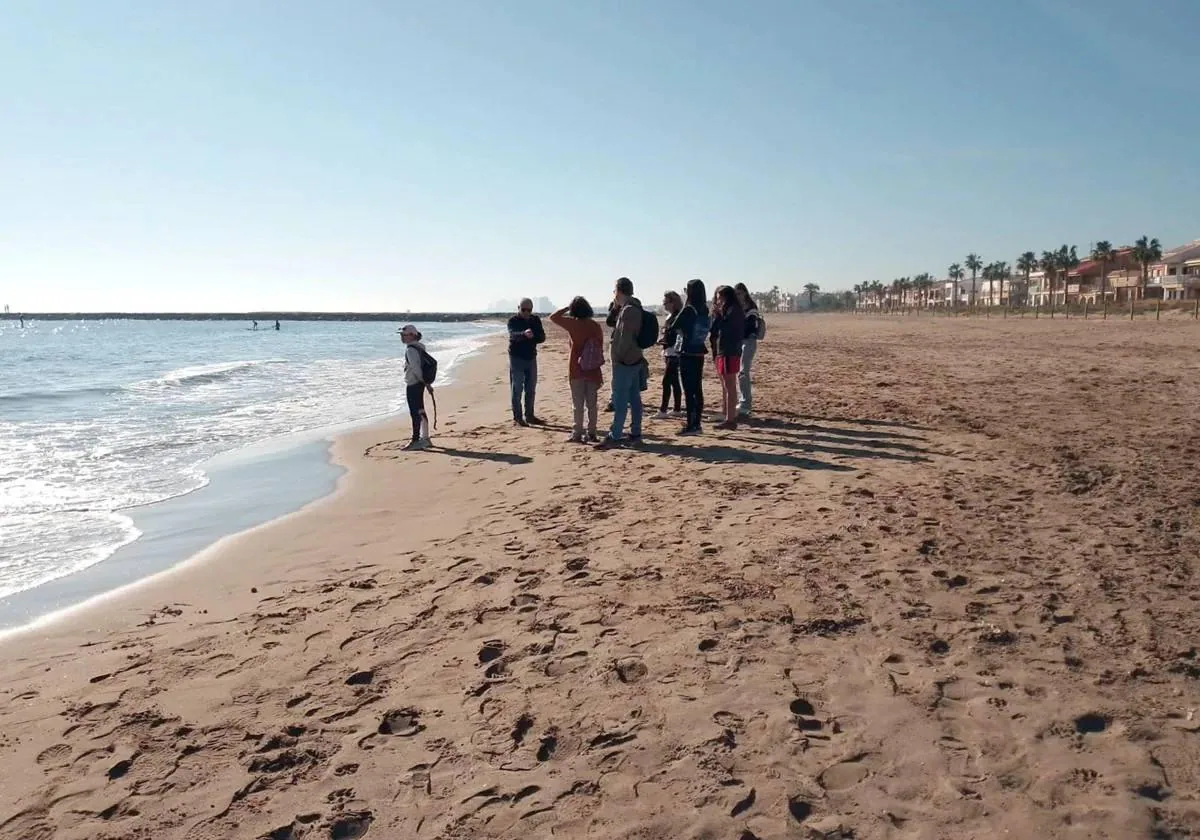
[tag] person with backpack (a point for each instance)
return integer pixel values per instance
(611, 323)
(691, 333)
(419, 371)
(585, 363)
(727, 333)
(756, 330)
(525, 333)
(635, 331)
(672, 305)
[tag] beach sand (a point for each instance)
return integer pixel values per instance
(942, 587)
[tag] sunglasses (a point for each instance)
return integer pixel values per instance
(526, 311)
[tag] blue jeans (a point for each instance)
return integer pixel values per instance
(522, 377)
(627, 397)
(746, 401)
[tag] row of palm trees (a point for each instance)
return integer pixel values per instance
(1056, 264)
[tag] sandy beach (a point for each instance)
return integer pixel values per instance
(942, 586)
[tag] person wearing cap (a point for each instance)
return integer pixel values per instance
(525, 333)
(415, 387)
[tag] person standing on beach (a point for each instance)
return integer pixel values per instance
(691, 331)
(727, 334)
(585, 363)
(673, 305)
(755, 329)
(627, 362)
(525, 333)
(611, 323)
(415, 386)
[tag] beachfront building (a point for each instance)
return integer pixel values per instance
(1177, 275)
(1091, 282)
(1038, 293)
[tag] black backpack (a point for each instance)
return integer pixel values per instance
(648, 335)
(428, 369)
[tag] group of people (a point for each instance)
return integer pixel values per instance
(729, 329)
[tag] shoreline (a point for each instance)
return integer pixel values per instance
(293, 474)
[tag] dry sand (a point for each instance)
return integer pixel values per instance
(943, 588)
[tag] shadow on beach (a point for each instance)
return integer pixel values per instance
(497, 457)
(720, 454)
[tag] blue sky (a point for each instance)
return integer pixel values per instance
(222, 155)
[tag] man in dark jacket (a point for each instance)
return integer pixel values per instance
(525, 333)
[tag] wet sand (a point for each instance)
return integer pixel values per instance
(941, 587)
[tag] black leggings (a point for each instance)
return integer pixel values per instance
(671, 383)
(691, 372)
(416, 407)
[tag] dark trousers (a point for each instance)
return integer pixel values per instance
(416, 408)
(670, 385)
(522, 376)
(691, 374)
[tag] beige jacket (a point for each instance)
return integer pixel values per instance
(624, 347)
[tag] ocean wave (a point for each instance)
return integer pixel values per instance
(203, 374)
(57, 394)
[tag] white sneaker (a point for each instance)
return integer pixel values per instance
(662, 415)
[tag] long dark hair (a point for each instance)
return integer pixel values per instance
(729, 300)
(697, 296)
(581, 309)
(741, 289)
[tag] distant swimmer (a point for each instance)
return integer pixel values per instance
(277, 326)
(255, 325)
(22, 319)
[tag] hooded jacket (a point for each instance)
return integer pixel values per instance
(624, 345)
(412, 363)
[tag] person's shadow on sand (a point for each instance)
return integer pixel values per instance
(498, 457)
(395, 449)
(736, 455)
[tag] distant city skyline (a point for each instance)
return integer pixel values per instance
(391, 156)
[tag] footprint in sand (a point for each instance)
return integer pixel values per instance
(567, 664)
(55, 756)
(491, 650)
(547, 747)
(350, 826)
(631, 669)
(1090, 723)
(845, 774)
(402, 722)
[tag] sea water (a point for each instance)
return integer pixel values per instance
(98, 417)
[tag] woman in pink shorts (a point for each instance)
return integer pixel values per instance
(726, 336)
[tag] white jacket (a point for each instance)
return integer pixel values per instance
(412, 363)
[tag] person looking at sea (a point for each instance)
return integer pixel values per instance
(585, 363)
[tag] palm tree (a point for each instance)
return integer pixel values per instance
(1049, 264)
(811, 290)
(1104, 254)
(973, 264)
(1145, 252)
(989, 274)
(956, 274)
(921, 285)
(1068, 260)
(877, 287)
(1001, 272)
(1027, 263)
